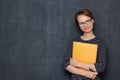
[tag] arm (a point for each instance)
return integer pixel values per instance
(75, 63)
(82, 72)
(101, 58)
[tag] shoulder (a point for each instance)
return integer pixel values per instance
(76, 39)
(100, 41)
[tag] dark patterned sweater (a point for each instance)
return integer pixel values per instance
(101, 56)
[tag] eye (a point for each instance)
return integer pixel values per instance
(87, 20)
(81, 23)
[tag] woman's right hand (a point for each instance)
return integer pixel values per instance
(73, 62)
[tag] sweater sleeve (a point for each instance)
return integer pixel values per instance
(101, 57)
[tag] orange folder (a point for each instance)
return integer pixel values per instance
(84, 52)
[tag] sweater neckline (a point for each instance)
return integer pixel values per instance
(88, 40)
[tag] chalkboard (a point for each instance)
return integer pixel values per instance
(35, 34)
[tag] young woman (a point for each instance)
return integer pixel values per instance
(85, 21)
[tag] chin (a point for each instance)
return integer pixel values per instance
(87, 31)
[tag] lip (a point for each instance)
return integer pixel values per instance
(86, 28)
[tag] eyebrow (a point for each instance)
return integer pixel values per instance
(86, 20)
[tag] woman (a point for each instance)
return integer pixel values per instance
(85, 21)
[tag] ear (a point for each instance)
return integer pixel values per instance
(93, 21)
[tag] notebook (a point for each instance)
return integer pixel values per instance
(84, 52)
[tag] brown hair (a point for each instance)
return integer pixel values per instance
(85, 12)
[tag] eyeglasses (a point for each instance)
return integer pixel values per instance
(87, 22)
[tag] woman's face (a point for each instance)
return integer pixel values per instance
(85, 23)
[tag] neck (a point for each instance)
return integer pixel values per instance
(88, 36)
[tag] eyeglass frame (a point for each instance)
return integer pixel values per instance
(87, 22)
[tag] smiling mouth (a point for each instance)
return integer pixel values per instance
(86, 28)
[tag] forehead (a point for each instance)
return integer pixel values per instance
(82, 18)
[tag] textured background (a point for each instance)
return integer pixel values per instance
(34, 36)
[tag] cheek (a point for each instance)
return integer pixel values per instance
(81, 28)
(92, 25)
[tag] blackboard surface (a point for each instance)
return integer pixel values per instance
(35, 34)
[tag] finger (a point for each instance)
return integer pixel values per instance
(93, 76)
(96, 73)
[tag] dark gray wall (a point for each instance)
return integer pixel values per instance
(34, 35)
